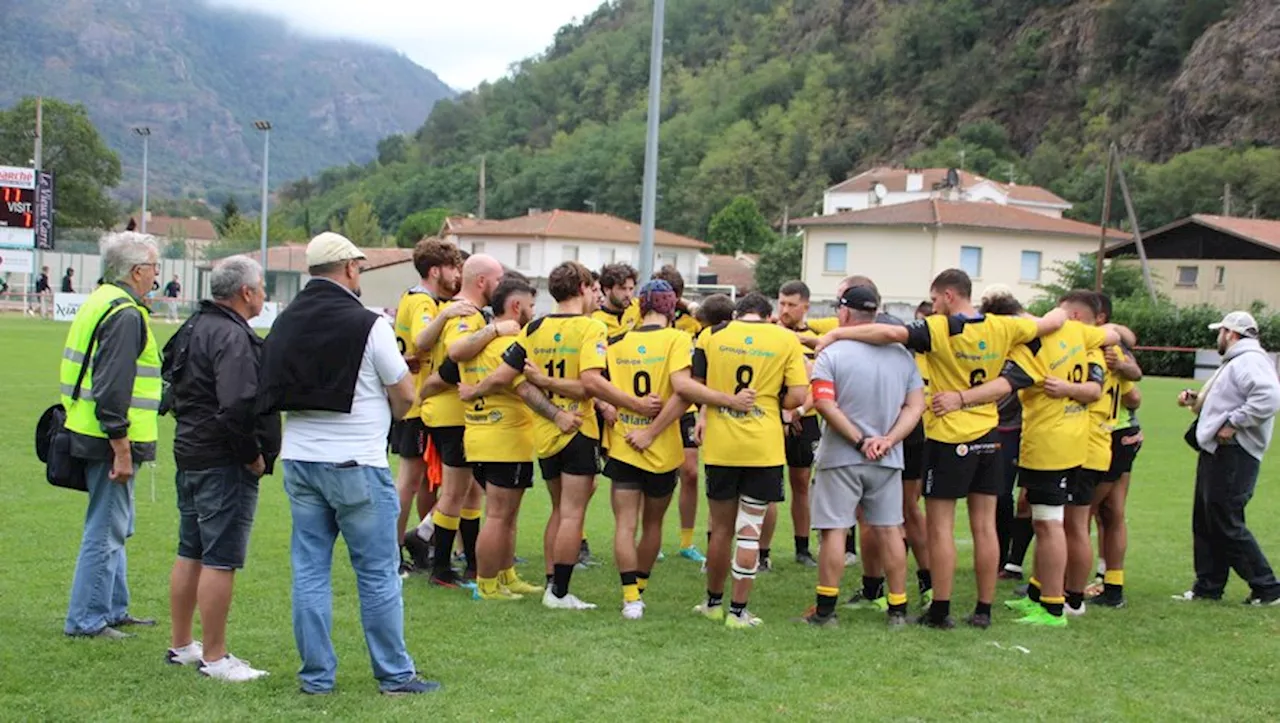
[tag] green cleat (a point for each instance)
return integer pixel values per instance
(1022, 605)
(714, 614)
(745, 621)
(858, 601)
(1041, 618)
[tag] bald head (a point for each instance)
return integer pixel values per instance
(480, 276)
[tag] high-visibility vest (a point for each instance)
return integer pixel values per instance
(144, 405)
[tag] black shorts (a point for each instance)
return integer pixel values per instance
(581, 456)
(1122, 455)
(448, 442)
(630, 477)
(688, 421)
(507, 475)
(913, 457)
(409, 438)
(1081, 488)
(800, 447)
(730, 483)
(955, 471)
(1048, 487)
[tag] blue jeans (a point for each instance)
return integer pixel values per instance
(100, 588)
(360, 503)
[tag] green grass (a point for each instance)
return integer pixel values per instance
(1157, 659)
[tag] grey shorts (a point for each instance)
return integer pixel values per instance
(838, 491)
(215, 514)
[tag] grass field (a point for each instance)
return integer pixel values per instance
(1155, 660)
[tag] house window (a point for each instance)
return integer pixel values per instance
(1188, 275)
(608, 256)
(569, 253)
(523, 253)
(835, 258)
(1030, 265)
(843, 209)
(971, 261)
(1220, 276)
(477, 247)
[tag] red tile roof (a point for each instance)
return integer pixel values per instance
(965, 214)
(567, 224)
(895, 179)
(731, 270)
(199, 229)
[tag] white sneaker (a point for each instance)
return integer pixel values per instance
(568, 602)
(1074, 612)
(633, 610)
(188, 655)
(232, 670)
(850, 559)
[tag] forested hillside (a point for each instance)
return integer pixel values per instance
(779, 99)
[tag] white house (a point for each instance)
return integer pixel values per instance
(903, 246)
(891, 186)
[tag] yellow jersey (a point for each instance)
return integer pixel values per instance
(1055, 432)
(499, 426)
(1102, 419)
(446, 409)
(641, 363)
(416, 310)
(961, 353)
(823, 325)
(748, 354)
(686, 322)
(563, 346)
(617, 323)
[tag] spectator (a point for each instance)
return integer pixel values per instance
(43, 292)
(172, 291)
(221, 449)
(68, 288)
(334, 366)
(1236, 412)
(112, 411)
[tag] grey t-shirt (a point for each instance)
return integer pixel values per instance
(871, 384)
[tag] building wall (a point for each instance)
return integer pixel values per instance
(980, 193)
(1002, 256)
(545, 255)
(1243, 281)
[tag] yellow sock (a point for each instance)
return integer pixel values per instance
(469, 514)
(1113, 577)
(642, 583)
(631, 593)
(1035, 583)
(897, 599)
(487, 585)
(507, 576)
(828, 591)
(686, 537)
(448, 522)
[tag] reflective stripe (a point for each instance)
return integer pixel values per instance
(151, 405)
(149, 372)
(73, 355)
(69, 389)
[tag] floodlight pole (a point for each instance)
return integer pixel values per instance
(145, 132)
(648, 212)
(265, 127)
(1106, 218)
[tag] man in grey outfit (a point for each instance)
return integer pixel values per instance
(1236, 412)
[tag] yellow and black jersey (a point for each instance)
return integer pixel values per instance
(823, 325)
(416, 309)
(499, 426)
(686, 322)
(1102, 417)
(563, 346)
(922, 364)
(1125, 418)
(748, 354)
(641, 363)
(962, 353)
(1055, 432)
(617, 323)
(446, 409)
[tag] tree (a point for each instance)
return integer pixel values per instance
(361, 225)
(230, 216)
(83, 167)
(779, 263)
(420, 225)
(739, 226)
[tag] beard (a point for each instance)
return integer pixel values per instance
(451, 288)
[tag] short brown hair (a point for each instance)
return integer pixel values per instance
(715, 309)
(1083, 297)
(616, 275)
(925, 307)
(671, 275)
(954, 279)
(432, 252)
(795, 288)
(567, 279)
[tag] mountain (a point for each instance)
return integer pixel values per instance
(199, 76)
(779, 99)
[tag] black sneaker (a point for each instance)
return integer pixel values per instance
(1110, 600)
(447, 578)
(947, 623)
(981, 621)
(896, 618)
(765, 565)
(414, 686)
(806, 558)
(818, 620)
(1268, 600)
(419, 550)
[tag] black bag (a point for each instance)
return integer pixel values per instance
(53, 440)
(1190, 436)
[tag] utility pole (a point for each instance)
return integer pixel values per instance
(1133, 223)
(1106, 219)
(265, 127)
(145, 132)
(483, 182)
(648, 213)
(786, 221)
(1226, 199)
(39, 150)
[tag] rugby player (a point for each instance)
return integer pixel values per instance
(419, 317)
(743, 450)
(645, 454)
(618, 310)
(962, 452)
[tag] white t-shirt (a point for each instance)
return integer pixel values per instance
(361, 435)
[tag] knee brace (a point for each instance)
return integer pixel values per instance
(748, 525)
(1048, 513)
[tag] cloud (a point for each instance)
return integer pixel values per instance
(464, 43)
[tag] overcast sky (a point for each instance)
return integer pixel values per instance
(464, 42)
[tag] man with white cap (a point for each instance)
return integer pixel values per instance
(335, 369)
(1235, 414)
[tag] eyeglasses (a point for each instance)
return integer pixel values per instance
(154, 265)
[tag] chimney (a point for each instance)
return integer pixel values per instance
(915, 182)
(534, 211)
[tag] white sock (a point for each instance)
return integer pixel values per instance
(425, 529)
(1102, 567)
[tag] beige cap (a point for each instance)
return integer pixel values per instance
(330, 247)
(1241, 322)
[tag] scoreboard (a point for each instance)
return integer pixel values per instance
(26, 212)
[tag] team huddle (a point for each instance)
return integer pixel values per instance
(865, 415)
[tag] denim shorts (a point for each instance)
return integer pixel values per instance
(216, 508)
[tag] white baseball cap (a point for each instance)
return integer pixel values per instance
(330, 247)
(1241, 322)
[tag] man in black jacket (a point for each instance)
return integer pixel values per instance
(221, 448)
